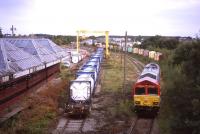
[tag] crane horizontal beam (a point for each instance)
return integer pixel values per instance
(87, 31)
(96, 32)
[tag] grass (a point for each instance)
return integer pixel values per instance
(43, 106)
(112, 77)
(42, 109)
(166, 75)
(112, 84)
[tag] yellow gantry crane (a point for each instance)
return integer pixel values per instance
(95, 32)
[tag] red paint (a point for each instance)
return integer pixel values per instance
(19, 86)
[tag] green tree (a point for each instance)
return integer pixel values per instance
(161, 42)
(63, 40)
(181, 100)
(188, 56)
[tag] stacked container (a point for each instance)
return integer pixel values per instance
(141, 51)
(146, 53)
(158, 56)
(152, 54)
(135, 50)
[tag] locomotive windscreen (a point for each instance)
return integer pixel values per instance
(139, 90)
(153, 91)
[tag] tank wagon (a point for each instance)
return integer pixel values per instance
(146, 91)
(83, 87)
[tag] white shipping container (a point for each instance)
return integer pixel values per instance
(141, 51)
(135, 50)
(152, 54)
(75, 59)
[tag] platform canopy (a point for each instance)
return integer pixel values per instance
(33, 48)
(14, 59)
(51, 46)
(19, 54)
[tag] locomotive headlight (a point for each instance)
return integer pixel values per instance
(137, 102)
(155, 103)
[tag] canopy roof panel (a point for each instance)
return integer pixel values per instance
(18, 54)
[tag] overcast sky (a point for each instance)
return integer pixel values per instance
(138, 17)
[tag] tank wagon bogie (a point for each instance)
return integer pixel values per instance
(146, 91)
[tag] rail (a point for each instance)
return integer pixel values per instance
(141, 125)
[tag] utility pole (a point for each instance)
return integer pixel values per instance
(121, 51)
(124, 84)
(13, 29)
(1, 34)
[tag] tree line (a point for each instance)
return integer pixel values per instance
(63, 40)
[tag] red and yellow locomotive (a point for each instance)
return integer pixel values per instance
(147, 91)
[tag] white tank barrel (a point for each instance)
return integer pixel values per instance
(82, 87)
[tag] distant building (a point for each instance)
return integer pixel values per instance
(88, 42)
(100, 39)
(137, 43)
(7, 35)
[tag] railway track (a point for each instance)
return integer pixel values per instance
(141, 126)
(70, 126)
(139, 65)
(5, 116)
(77, 125)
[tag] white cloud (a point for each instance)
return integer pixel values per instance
(67, 16)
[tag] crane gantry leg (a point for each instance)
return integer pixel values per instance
(107, 45)
(106, 39)
(77, 42)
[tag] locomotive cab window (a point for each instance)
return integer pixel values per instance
(152, 91)
(139, 90)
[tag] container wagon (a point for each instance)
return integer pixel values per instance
(82, 88)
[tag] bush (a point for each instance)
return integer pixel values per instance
(180, 102)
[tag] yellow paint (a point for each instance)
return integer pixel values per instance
(146, 100)
(77, 41)
(107, 45)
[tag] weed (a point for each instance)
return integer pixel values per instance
(42, 111)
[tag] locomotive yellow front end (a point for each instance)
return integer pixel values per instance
(146, 102)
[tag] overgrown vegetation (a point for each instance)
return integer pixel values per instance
(180, 108)
(112, 84)
(160, 42)
(43, 108)
(63, 40)
(182, 90)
